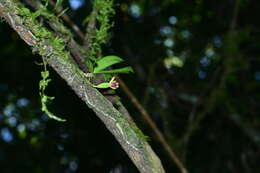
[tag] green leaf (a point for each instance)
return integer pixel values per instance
(45, 74)
(127, 69)
(102, 85)
(58, 4)
(105, 62)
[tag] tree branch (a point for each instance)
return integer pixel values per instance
(78, 57)
(126, 134)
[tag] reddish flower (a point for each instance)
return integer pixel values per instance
(113, 83)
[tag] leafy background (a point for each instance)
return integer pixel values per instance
(195, 74)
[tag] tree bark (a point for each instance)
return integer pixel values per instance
(127, 134)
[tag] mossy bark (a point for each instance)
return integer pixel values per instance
(126, 134)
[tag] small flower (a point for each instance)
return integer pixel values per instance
(113, 83)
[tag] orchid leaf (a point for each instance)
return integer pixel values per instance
(105, 62)
(127, 69)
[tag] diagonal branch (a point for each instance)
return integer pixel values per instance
(128, 135)
(78, 55)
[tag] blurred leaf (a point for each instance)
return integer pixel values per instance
(173, 61)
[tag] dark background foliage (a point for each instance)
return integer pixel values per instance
(208, 109)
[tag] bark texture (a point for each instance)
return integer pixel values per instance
(127, 134)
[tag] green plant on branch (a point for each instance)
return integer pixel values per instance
(99, 65)
(95, 63)
(104, 11)
(44, 98)
(52, 48)
(102, 66)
